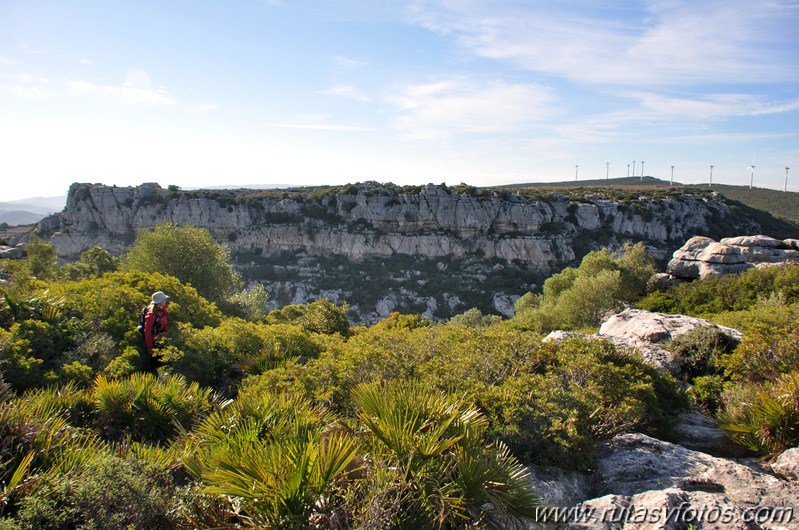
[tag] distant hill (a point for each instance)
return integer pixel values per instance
(777, 212)
(29, 211)
(780, 204)
(622, 182)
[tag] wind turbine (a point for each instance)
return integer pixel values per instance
(752, 174)
(711, 177)
(607, 170)
(671, 182)
(786, 179)
(642, 170)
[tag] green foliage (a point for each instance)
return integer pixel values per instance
(144, 408)
(107, 492)
(274, 452)
(189, 254)
(41, 259)
(473, 318)
(510, 374)
(94, 262)
(700, 351)
(730, 292)
(446, 473)
(249, 304)
(768, 421)
(584, 296)
(320, 316)
(766, 352)
(215, 356)
(708, 391)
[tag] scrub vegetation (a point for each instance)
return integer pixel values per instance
(298, 419)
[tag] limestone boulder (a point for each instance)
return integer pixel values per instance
(644, 483)
(648, 326)
(787, 464)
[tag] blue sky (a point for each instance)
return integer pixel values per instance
(206, 93)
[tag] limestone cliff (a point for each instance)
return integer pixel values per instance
(310, 230)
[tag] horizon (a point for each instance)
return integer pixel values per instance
(196, 94)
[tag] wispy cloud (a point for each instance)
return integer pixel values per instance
(668, 42)
(6, 61)
(136, 90)
(712, 105)
(128, 94)
(27, 87)
(347, 63)
(346, 91)
(445, 108)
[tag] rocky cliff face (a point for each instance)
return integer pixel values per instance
(292, 239)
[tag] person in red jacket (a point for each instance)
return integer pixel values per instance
(155, 322)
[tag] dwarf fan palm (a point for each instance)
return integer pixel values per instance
(449, 477)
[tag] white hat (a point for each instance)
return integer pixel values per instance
(159, 297)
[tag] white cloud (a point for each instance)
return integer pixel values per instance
(712, 105)
(136, 90)
(347, 63)
(6, 61)
(346, 91)
(442, 109)
(669, 42)
(27, 87)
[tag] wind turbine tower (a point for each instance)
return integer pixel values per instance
(607, 170)
(711, 177)
(786, 179)
(752, 176)
(642, 170)
(671, 182)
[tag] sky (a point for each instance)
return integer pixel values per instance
(200, 93)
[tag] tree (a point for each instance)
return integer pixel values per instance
(583, 296)
(189, 254)
(41, 258)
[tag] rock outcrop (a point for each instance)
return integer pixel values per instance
(646, 332)
(486, 247)
(640, 481)
(374, 220)
(701, 257)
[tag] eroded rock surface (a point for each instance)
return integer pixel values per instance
(701, 257)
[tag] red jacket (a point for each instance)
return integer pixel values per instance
(149, 326)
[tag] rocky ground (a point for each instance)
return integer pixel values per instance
(700, 482)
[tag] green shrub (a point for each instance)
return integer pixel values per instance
(143, 407)
(107, 492)
(765, 353)
(707, 390)
(699, 351)
(767, 422)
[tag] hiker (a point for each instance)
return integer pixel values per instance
(154, 320)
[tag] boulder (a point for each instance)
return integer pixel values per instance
(701, 257)
(752, 241)
(647, 326)
(787, 464)
(701, 432)
(11, 252)
(644, 483)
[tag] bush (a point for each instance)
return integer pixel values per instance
(107, 492)
(699, 351)
(189, 254)
(576, 298)
(768, 420)
(765, 353)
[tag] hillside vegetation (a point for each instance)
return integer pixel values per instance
(298, 419)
